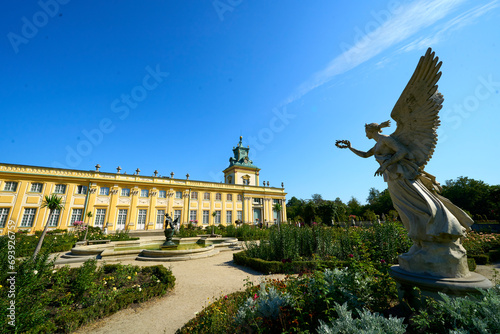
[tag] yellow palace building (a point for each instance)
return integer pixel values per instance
(135, 202)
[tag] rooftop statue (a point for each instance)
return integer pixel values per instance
(434, 224)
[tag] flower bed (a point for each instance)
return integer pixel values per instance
(51, 300)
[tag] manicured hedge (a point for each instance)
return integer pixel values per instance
(284, 267)
(279, 267)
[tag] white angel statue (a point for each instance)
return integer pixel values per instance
(434, 224)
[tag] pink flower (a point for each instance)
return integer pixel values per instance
(382, 261)
(225, 297)
(351, 255)
(255, 297)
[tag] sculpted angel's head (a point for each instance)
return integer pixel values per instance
(374, 128)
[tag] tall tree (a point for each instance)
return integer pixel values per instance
(469, 194)
(53, 203)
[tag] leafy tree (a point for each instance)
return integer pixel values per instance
(278, 208)
(309, 213)
(470, 195)
(294, 208)
(317, 199)
(354, 207)
(327, 211)
(53, 203)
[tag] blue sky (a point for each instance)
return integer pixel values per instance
(171, 85)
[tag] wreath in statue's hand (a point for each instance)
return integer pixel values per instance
(343, 143)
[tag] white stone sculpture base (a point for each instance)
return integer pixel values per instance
(430, 285)
(440, 259)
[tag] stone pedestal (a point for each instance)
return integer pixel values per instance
(430, 285)
(168, 244)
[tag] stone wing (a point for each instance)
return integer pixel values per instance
(416, 112)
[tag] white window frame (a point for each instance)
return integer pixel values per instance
(54, 221)
(76, 216)
(36, 187)
(229, 197)
(162, 194)
(100, 217)
(194, 195)
(218, 197)
(239, 215)
(122, 217)
(142, 215)
(177, 213)
(217, 217)
(60, 189)
(125, 192)
(81, 190)
(239, 198)
(229, 217)
(28, 217)
(192, 215)
(144, 192)
(206, 196)
(10, 186)
(178, 194)
(206, 217)
(104, 191)
(160, 218)
(4, 214)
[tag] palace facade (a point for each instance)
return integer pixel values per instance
(135, 202)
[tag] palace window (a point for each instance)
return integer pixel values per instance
(125, 192)
(60, 189)
(76, 216)
(239, 215)
(239, 198)
(206, 196)
(28, 217)
(122, 216)
(10, 186)
(276, 201)
(141, 217)
(206, 214)
(217, 217)
(229, 197)
(100, 216)
(178, 194)
(55, 218)
(36, 187)
(194, 195)
(257, 201)
(229, 217)
(104, 191)
(144, 193)
(177, 214)
(82, 190)
(162, 194)
(192, 216)
(160, 215)
(218, 196)
(4, 214)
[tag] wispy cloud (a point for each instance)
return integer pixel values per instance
(401, 24)
(454, 24)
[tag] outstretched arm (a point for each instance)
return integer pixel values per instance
(362, 154)
(347, 144)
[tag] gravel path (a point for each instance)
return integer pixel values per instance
(198, 282)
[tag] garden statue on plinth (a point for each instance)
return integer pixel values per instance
(169, 231)
(434, 224)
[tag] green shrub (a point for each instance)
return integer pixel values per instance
(367, 323)
(473, 314)
(471, 264)
(480, 259)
